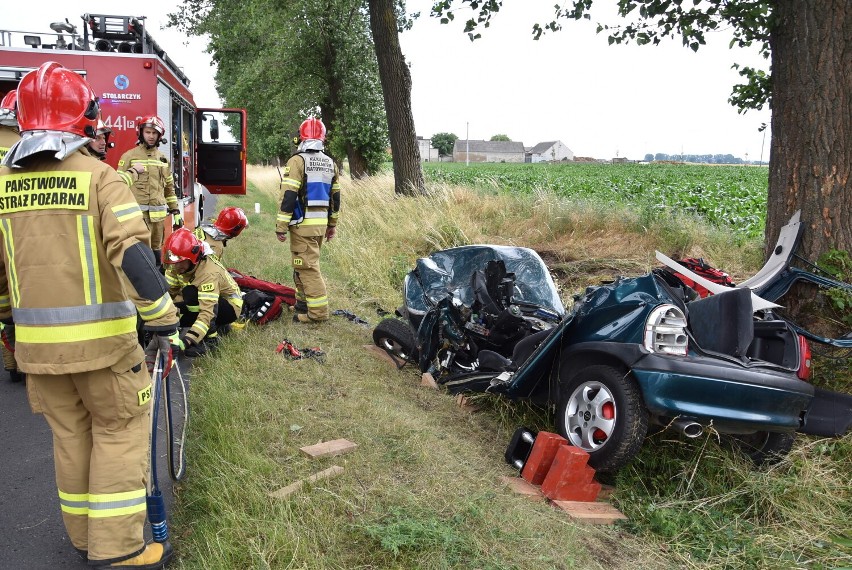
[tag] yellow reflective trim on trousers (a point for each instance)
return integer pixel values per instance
(317, 301)
(156, 309)
(56, 334)
(89, 260)
(116, 504)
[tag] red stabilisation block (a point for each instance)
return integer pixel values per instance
(542, 454)
(569, 477)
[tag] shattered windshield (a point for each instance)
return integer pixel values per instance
(450, 271)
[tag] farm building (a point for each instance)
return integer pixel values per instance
(488, 151)
(550, 151)
(428, 153)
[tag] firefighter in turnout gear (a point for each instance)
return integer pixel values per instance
(310, 205)
(210, 300)
(8, 137)
(229, 224)
(75, 269)
(154, 187)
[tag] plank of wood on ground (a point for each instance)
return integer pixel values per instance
(523, 487)
(428, 381)
(329, 448)
(293, 487)
(383, 355)
(591, 512)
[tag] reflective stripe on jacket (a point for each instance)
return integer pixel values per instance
(65, 230)
(155, 187)
(212, 281)
(310, 193)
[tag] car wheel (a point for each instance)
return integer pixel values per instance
(395, 337)
(601, 411)
(765, 447)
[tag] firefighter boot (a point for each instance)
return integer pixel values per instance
(301, 306)
(15, 375)
(156, 555)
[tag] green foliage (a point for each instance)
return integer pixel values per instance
(502, 138)
(839, 265)
(444, 142)
(311, 55)
(730, 197)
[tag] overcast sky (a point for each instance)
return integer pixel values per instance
(601, 101)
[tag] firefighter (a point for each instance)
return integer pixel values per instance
(210, 300)
(8, 137)
(310, 204)
(154, 188)
(99, 145)
(229, 224)
(76, 270)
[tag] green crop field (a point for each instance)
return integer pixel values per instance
(730, 197)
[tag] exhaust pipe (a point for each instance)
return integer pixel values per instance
(689, 428)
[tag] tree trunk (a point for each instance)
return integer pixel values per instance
(396, 86)
(357, 162)
(811, 148)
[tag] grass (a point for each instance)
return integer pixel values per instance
(422, 489)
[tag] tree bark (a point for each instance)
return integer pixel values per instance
(396, 86)
(811, 148)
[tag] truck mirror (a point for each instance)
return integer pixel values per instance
(214, 129)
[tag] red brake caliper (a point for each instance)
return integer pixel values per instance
(607, 412)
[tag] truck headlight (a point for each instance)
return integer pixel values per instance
(665, 331)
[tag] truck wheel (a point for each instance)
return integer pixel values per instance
(396, 337)
(601, 411)
(764, 447)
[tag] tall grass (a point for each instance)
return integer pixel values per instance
(422, 489)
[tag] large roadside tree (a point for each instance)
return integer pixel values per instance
(809, 88)
(396, 87)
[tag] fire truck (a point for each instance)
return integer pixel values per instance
(135, 78)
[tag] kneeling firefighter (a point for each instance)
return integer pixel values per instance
(210, 301)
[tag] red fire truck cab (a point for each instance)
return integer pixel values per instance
(134, 78)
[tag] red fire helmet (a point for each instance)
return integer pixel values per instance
(9, 101)
(231, 221)
(54, 98)
(312, 129)
(180, 245)
(154, 122)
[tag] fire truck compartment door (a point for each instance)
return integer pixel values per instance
(221, 150)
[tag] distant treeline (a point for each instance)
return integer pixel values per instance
(701, 158)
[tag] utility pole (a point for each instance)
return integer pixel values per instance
(467, 144)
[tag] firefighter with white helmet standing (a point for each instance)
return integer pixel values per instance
(75, 269)
(154, 187)
(310, 205)
(8, 137)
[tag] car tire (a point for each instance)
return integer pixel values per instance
(395, 337)
(765, 447)
(601, 411)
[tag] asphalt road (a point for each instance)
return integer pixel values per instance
(32, 535)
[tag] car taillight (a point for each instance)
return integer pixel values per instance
(804, 371)
(665, 331)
